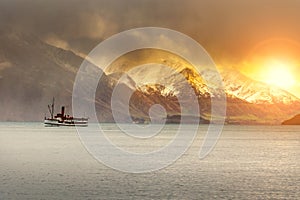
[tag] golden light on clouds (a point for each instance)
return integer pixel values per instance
(275, 62)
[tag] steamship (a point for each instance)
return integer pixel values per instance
(61, 119)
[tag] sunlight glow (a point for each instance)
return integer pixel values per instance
(278, 74)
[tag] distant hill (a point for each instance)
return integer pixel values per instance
(293, 121)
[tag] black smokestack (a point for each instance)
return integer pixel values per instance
(62, 111)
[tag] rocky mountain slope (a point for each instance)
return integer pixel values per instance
(32, 73)
(293, 121)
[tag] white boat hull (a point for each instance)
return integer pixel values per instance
(54, 122)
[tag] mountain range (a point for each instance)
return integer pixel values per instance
(32, 72)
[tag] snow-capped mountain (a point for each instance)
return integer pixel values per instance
(248, 101)
(175, 82)
(240, 86)
(236, 85)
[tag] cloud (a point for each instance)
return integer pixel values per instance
(226, 29)
(57, 42)
(95, 26)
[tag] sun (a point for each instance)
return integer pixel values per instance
(275, 61)
(278, 74)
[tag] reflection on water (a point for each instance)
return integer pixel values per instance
(260, 162)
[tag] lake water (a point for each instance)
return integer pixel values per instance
(248, 162)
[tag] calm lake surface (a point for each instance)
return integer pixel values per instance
(248, 162)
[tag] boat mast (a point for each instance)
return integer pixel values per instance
(52, 108)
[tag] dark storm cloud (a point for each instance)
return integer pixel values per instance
(227, 29)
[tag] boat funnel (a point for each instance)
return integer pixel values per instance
(62, 111)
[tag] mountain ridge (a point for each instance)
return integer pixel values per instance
(32, 72)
